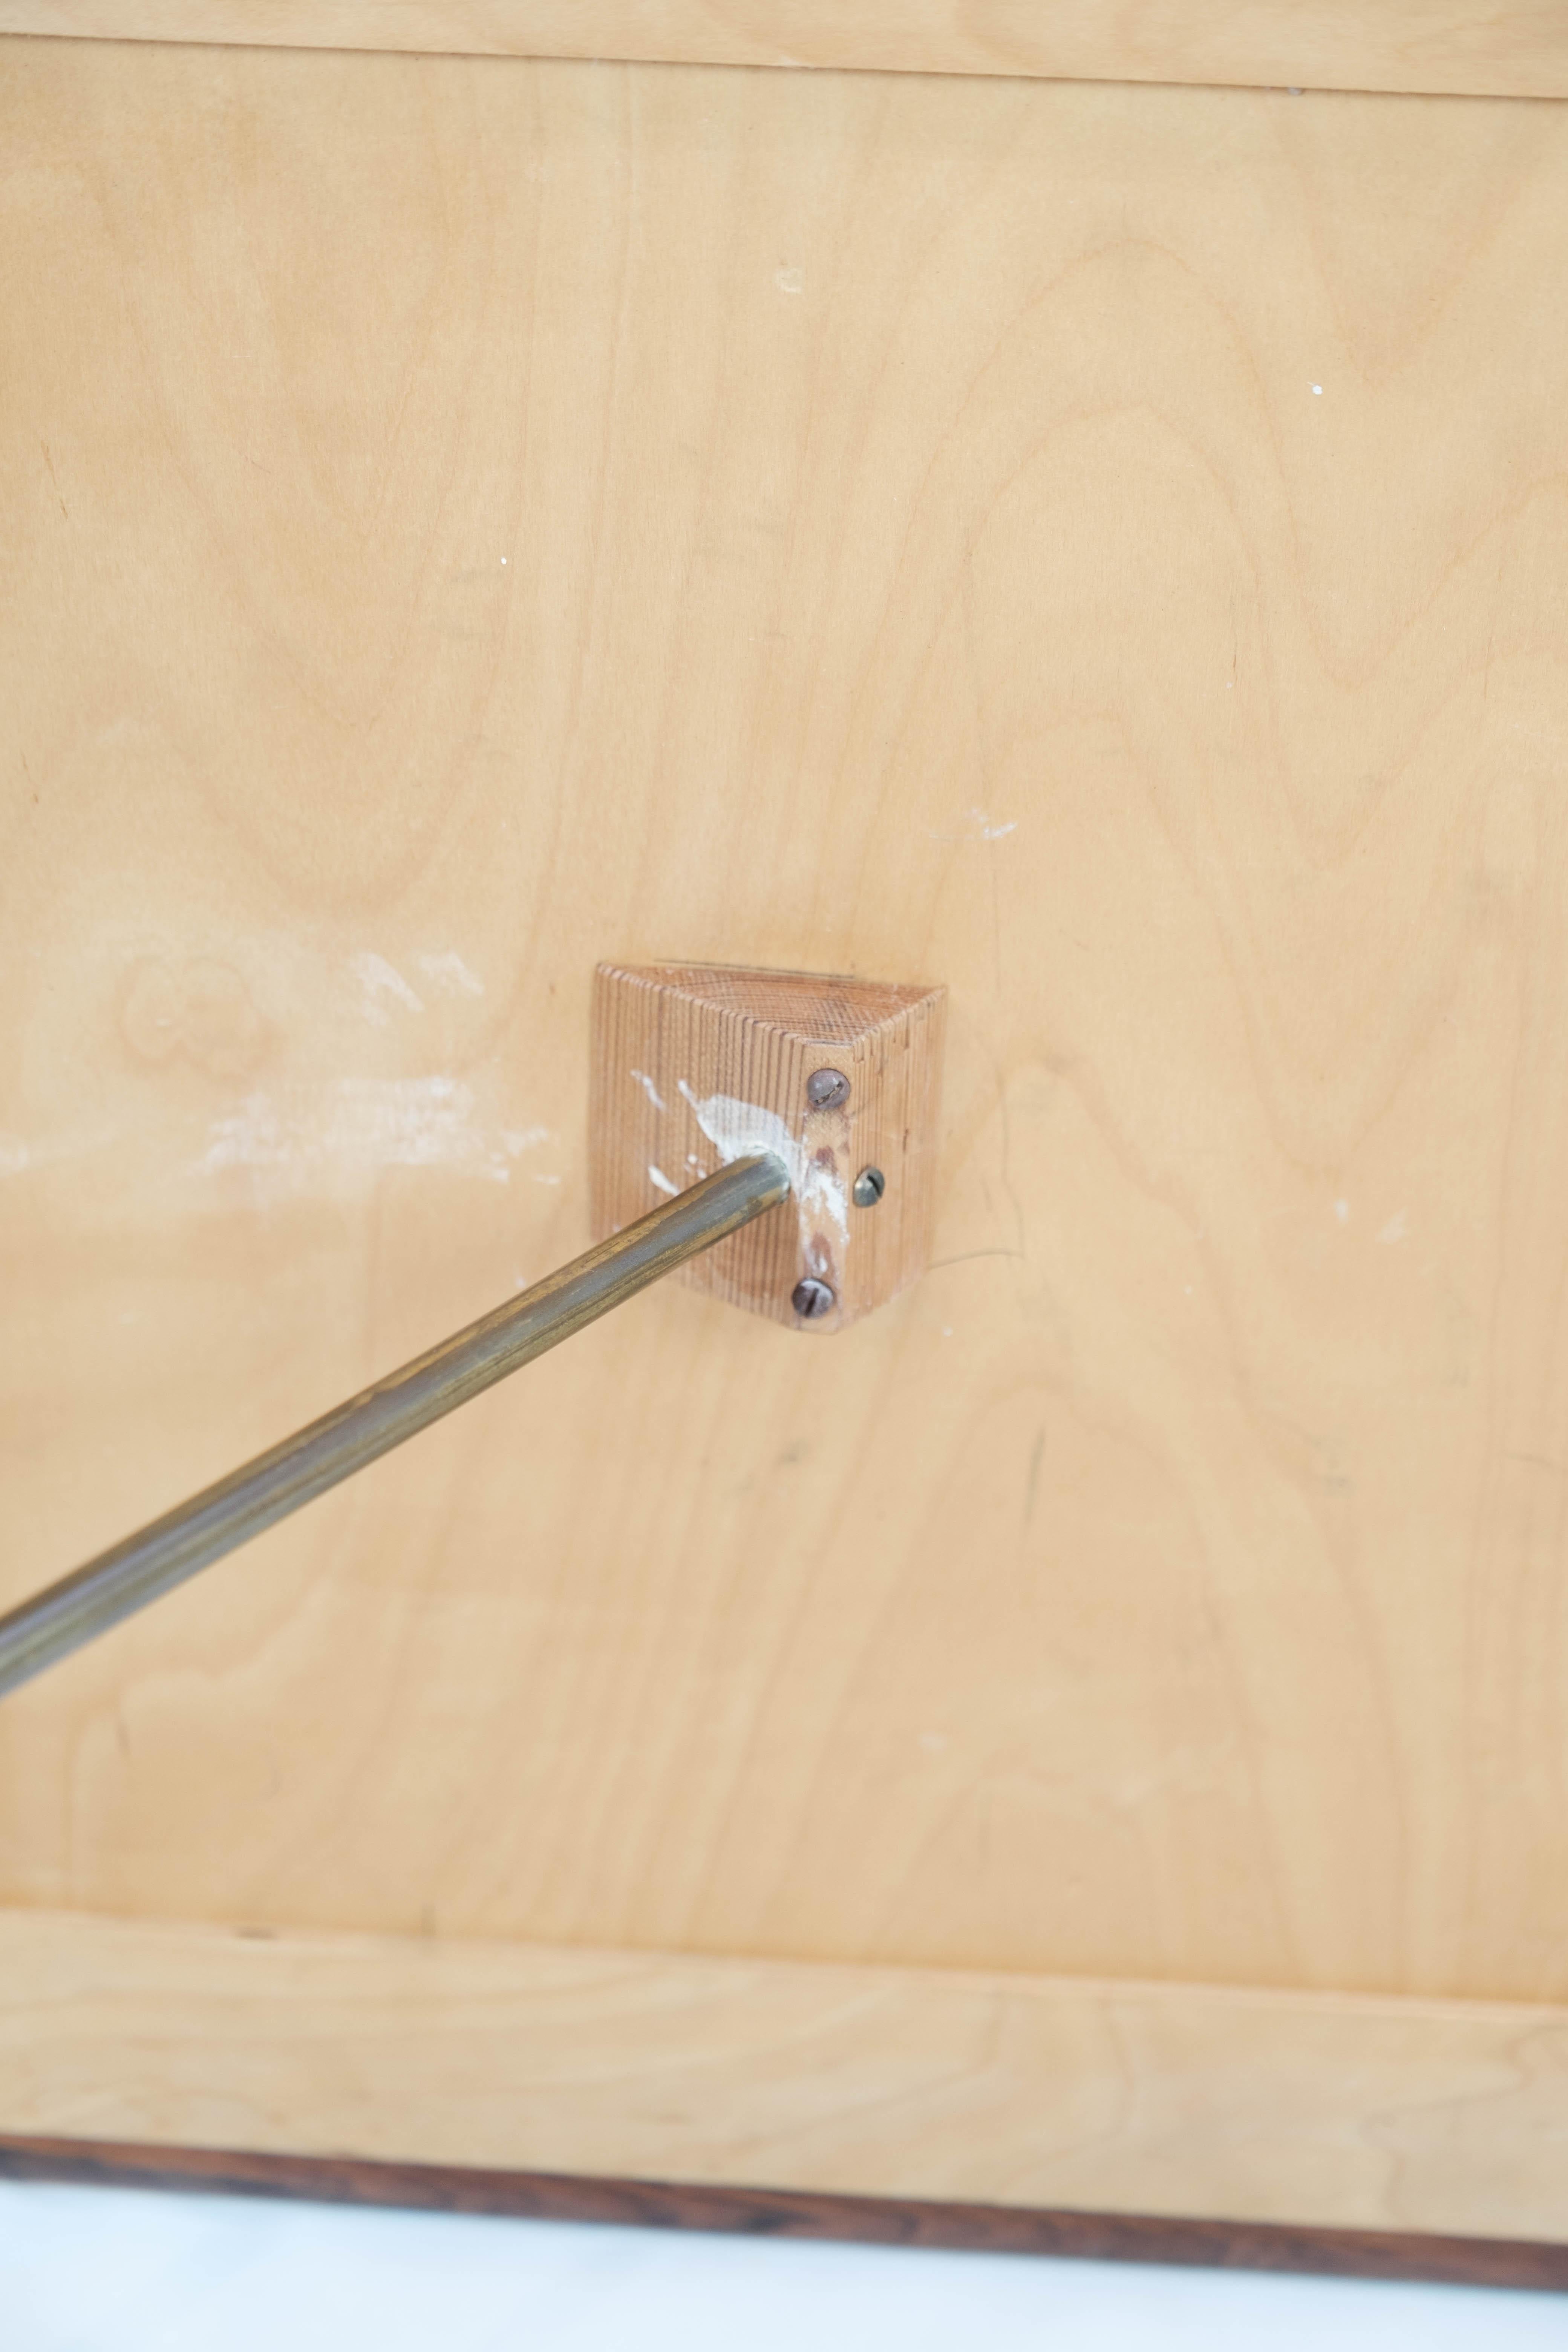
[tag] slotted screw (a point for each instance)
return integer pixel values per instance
(826, 1089)
(811, 1299)
(868, 1188)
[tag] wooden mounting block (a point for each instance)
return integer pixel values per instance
(695, 1065)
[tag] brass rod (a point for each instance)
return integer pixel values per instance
(152, 1562)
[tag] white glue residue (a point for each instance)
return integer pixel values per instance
(650, 1089)
(736, 1130)
(662, 1181)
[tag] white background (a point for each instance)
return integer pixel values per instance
(103, 2269)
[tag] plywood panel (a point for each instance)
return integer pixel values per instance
(1517, 48)
(470, 519)
(1182, 2100)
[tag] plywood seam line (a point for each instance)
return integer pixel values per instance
(1422, 48)
(1226, 2102)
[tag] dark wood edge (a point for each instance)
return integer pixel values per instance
(798, 2213)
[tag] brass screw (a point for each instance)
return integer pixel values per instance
(826, 1089)
(811, 1299)
(868, 1188)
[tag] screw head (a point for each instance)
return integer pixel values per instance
(868, 1188)
(811, 1299)
(826, 1089)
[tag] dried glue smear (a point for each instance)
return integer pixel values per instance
(736, 1130)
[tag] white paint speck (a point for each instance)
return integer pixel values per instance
(377, 978)
(379, 1122)
(337, 1137)
(503, 563)
(1343, 1211)
(662, 1181)
(448, 970)
(17, 1157)
(1396, 1230)
(1317, 389)
(788, 281)
(978, 826)
(650, 1089)
(519, 1139)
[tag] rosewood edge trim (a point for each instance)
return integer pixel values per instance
(798, 2213)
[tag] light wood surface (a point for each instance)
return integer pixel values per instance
(1504, 48)
(694, 1065)
(1103, 548)
(1182, 2100)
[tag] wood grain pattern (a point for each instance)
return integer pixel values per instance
(1507, 49)
(1181, 2101)
(695, 1065)
(965, 2227)
(1103, 548)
